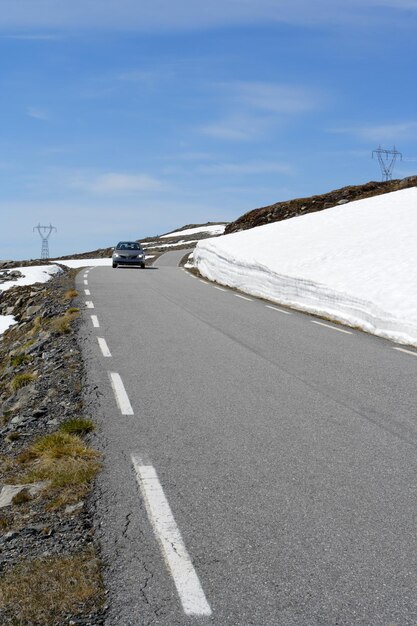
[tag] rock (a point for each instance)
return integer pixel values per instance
(10, 491)
(31, 311)
(74, 507)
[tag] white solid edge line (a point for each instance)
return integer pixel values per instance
(87, 292)
(243, 297)
(95, 321)
(89, 304)
(103, 346)
(339, 330)
(274, 308)
(406, 351)
(120, 394)
(188, 585)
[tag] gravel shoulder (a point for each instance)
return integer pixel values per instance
(47, 544)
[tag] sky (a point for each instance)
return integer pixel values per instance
(125, 119)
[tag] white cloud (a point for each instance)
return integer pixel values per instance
(273, 97)
(381, 133)
(250, 168)
(186, 14)
(257, 107)
(34, 37)
(230, 130)
(37, 114)
(116, 182)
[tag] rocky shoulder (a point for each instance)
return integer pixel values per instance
(50, 571)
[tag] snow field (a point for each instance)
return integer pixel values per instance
(355, 263)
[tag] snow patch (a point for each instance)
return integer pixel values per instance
(214, 229)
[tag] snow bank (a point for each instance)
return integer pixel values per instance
(74, 263)
(214, 229)
(31, 275)
(356, 263)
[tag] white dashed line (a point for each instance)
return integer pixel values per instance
(220, 288)
(87, 292)
(103, 346)
(122, 398)
(339, 330)
(274, 308)
(86, 282)
(89, 304)
(95, 321)
(406, 351)
(243, 297)
(166, 530)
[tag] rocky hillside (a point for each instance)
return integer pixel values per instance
(300, 206)
(50, 574)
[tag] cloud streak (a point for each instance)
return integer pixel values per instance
(382, 132)
(116, 182)
(152, 15)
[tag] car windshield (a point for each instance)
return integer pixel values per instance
(128, 245)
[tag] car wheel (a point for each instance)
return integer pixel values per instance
(142, 265)
(114, 265)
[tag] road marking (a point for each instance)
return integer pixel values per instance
(220, 288)
(274, 308)
(339, 330)
(122, 398)
(243, 297)
(103, 346)
(167, 532)
(406, 351)
(89, 304)
(87, 292)
(86, 282)
(95, 321)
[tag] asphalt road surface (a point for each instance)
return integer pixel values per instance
(260, 467)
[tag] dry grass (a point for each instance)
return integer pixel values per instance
(62, 324)
(19, 359)
(22, 497)
(21, 380)
(36, 326)
(70, 294)
(44, 591)
(61, 458)
(77, 426)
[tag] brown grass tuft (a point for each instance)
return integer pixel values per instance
(61, 458)
(46, 590)
(21, 380)
(70, 294)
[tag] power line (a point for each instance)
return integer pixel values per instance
(45, 232)
(387, 159)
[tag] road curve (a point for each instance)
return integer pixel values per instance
(259, 467)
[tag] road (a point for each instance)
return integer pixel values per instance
(259, 467)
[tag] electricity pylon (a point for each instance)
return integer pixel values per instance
(387, 159)
(45, 232)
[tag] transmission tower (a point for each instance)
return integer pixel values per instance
(387, 159)
(45, 232)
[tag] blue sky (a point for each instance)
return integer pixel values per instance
(129, 118)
